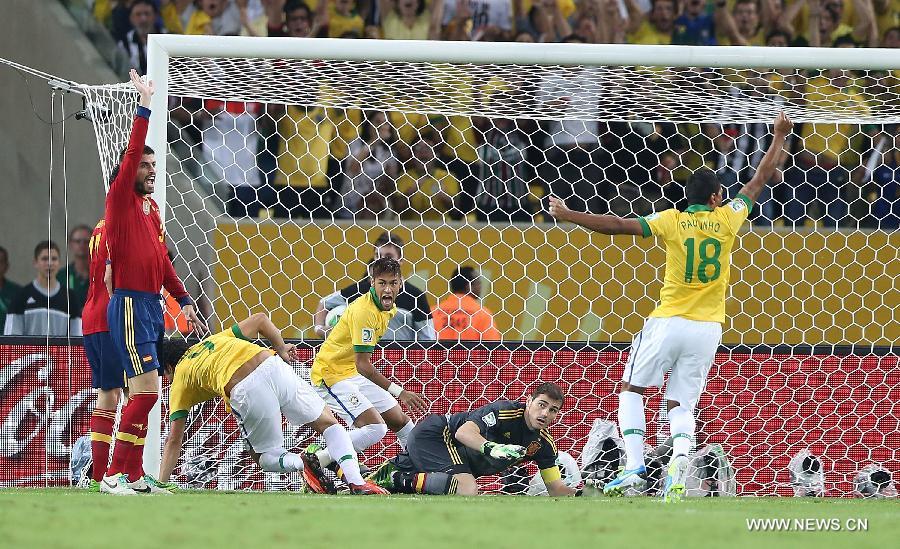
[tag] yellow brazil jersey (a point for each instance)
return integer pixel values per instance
(698, 242)
(646, 33)
(358, 331)
(207, 367)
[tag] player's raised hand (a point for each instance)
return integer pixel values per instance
(414, 401)
(145, 89)
(503, 451)
(194, 322)
(783, 124)
(558, 208)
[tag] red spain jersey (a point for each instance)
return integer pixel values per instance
(137, 247)
(93, 317)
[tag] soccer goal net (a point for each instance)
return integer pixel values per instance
(285, 159)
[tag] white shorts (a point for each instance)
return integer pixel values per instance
(351, 397)
(259, 400)
(686, 347)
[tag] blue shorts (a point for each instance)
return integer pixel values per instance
(136, 327)
(105, 361)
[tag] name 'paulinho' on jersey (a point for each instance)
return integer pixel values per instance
(698, 244)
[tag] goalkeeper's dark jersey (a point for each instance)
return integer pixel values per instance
(503, 422)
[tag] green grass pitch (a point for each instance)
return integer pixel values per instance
(63, 518)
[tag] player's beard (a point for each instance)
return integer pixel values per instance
(141, 187)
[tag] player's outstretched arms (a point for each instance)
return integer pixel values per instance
(606, 224)
(769, 163)
(172, 449)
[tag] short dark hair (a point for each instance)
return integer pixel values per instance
(4, 252)
(462, 279)
(77, 228)
(843, 39)
(700, 185)
(171, 350)
(552, 390)
(779, 32)
(139, 2)
(384, 265)
(45, 245)
(115, 172)
(386, 238)
(294, 5)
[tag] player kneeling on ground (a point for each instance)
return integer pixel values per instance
(446, 454)
(258, 386)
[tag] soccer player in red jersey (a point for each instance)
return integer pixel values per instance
(140, 268)
(106, 365)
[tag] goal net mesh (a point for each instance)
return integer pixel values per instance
(281, 173)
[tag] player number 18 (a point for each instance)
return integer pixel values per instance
(706, 259)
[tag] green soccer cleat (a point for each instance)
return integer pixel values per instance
(93, 486)
(157, 486)
(673, 491)
(384, 475)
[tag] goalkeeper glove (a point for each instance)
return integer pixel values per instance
(503, 451)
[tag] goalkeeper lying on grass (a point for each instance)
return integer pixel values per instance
(445, 454)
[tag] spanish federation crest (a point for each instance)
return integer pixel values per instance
(146, 207)
(490, 420)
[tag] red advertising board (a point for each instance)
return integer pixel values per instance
(763, 408)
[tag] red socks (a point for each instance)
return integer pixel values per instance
(102, 423)
(128, 453)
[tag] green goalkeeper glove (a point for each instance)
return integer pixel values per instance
(503, 451)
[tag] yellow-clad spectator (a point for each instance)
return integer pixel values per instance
(301, 182)
(425, 191)
(342, 17)
(741, 25)
(830, 151)
(844, 17)
(411, 19)
(887, 15)
(655, 27)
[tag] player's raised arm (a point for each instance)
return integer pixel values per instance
(606, 224)
(767, 166)
(122, 186)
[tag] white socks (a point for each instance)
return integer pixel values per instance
(367, 435)
(633, 423)
(361, 437)
(681, 427)
(341, 450)
(403, 434)
(280, 462)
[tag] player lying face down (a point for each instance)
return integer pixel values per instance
(446, 455)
